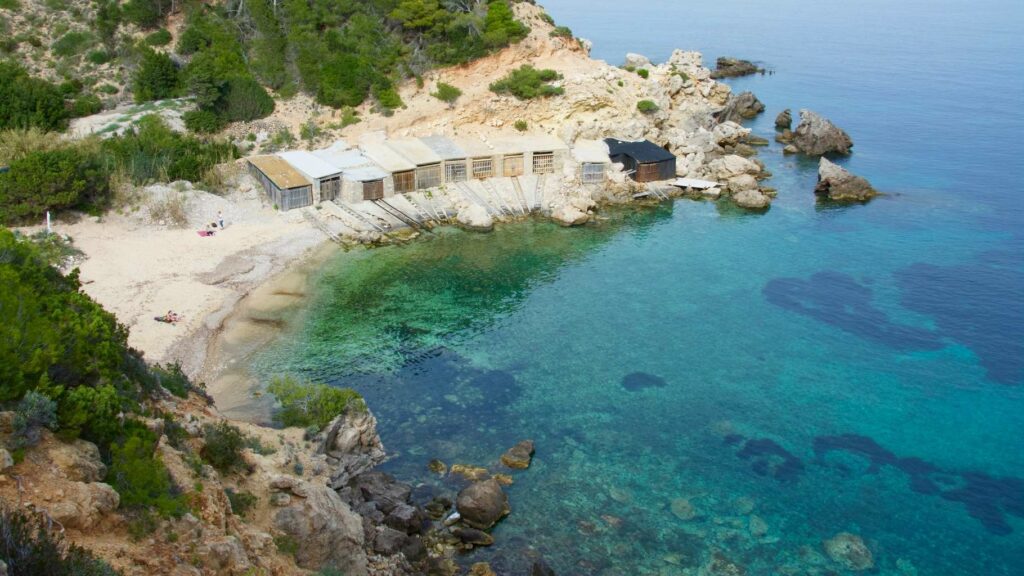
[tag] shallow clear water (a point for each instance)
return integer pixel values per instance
(818, 369)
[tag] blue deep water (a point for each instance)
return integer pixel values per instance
(707, 386)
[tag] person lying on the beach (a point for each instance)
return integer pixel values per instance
(169, 318)
(204, 233)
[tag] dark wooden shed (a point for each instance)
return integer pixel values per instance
(645, 160)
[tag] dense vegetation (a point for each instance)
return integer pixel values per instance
(342, 52)
(307, 404)
(27, 102)
(28, 548)
(527, 82)
(66, 366)
(47, 173)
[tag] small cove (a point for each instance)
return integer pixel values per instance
(698, 379)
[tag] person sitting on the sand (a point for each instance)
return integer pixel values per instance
(171, 317)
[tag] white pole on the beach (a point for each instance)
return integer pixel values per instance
(49, 229)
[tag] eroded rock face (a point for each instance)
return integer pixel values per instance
(519, 456)
(741, 107)
(482, 504)
(849, 551)
(224, 555)
(839, 185)
(569, 215)
(84, 504)
(352, 446)
(816, 135)
(726, 67)
(325, 529)
(78, 460)
(784, 121)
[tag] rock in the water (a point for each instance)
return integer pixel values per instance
(470, 472)
(518, 456)
(437, 467)
(541, 568)
(569, 215)
(816, 135)
(751, 199)
(726, 67)
(407, 518)
(475, 217)
(481, 569)
(473, 536)
(850, 551)
(683, 509)
(482, 504)
(389, 541)
(784, 121)
(742, 106)
(839, 185)
(720, 565)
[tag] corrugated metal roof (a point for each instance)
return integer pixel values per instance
(385, 157)
(445, 147)
(280, 172)
(414, 151)
(308, 164)
(590, 151)
(641, 150)
(343, 160)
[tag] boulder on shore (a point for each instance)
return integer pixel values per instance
(839, 185)
(726, 67)
(482, 504)
(740, 107)
(816, 136)
(752, 199)
(475, 217)
(784, 121)
(518, 456)
(849, 551)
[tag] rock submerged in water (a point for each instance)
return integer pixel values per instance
(726, 67)
(482, 504)
(741, 107)
(784, 121)
(640, 380)
(519, 456)
(752, 199)
(837, 184)
(817, 136)
(849, 551)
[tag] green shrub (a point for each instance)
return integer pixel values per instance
(28, 547)
(522, 125)
(161, 37)
(545, 17)
(309, 130)
(33, 413)
(92, 413)
(527, 82)
(27, 102)
(447, 93)
(223, 447)
(203, 121)
(286, 544)
(146, 13)
(108, 89)
(139, 476)
(152, 151)
(242, 100)
(561, 32)
(643, 73)
(241, 502)
(98, 57)
(10, 4)
(71, 44)
(647, 106)
(108, 19)
(305, 404)
(156, 77)
(172, 379)
(86, 105)
(51, 180)
(501, 27)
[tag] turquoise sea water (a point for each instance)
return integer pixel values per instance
(780, 377)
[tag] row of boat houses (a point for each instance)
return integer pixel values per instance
(380, 169)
